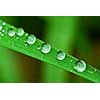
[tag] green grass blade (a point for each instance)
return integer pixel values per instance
(68, 64)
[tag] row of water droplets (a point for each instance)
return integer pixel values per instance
(1, 28)
(45, 48)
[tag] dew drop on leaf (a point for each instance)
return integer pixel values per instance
(39, 47)
(2, 34)
(80, 66)
(11, 33)
(60, 55)
(71, 60)
(31, 39)
(26, 45)
(3, 23)
(17, 38)
(45, 48)
(20, 32)
(3, 30)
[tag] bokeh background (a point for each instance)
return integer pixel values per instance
(77, 35)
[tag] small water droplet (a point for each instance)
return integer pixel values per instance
(3, 23)
(80, 66)
(2, 34)
(26, 45)
(17, 38)
(93, 70)
(11, 33)
(39, 47)
(45, 48)
(71, 60)
(31, 39)
(20, 32)
(0, 27)
(26, 34)
(60, 55)
(3, 30)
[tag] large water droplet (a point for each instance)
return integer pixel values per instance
(60, 55)
(11, 33)
(0, 27)
(45, 48)
(80, 66)
(31, 39)
(20, 32)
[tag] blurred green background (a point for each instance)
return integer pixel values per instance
(77, 35)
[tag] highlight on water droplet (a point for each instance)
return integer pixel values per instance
(11, 33)
(45, 48)
(31, 39)
(20, 32)
(60, 55)
(0, 27)
(80, 66)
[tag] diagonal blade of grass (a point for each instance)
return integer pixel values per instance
(18, 44)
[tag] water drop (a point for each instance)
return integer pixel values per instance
(31, 39)
(2, 34)
(92, 70)
(26, 45)
(80, 66)
(11, 33)
(45, 48)
(20, 32)
(3, 30)
(71, 60)
(0, 27)
(26, 34)
(3, 23)
(39, 47)
(17, 38)
(60, 55)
